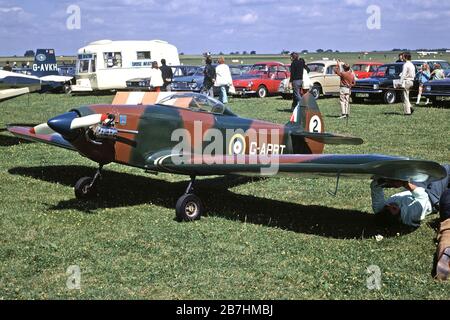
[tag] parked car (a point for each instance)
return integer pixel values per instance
(323, 76)
(381, 85)
(238, 70)
(437, 91)
(365, 70)
(180, 74)
(263, 79)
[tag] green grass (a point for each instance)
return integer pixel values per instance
(280, 238)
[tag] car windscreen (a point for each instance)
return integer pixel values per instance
(316, 67)
(250, 76)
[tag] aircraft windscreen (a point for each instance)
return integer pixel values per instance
(195, 102)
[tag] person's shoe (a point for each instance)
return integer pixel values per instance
(443, 265)
(343, 116)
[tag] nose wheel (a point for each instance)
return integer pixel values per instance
(189, 207)
(86, 187)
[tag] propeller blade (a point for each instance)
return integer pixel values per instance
(42, 128)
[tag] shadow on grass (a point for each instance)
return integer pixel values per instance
(9, 141)
(123, 189)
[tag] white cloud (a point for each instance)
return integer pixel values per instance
(12, 9)
(249, 18)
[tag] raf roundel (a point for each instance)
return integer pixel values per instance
(41, 57)
(237, 145)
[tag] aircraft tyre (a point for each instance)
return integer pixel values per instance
(188, 208)
(85, 189)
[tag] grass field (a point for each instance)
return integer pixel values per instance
(280, 238)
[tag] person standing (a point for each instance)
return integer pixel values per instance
(167, 75)
(424, 76)
(209, 77)
(347, 82)
(296, 79)
(438, 73)
(407, 80)
(156, 79)
(7, 67)
(401, 57)
(223, 80)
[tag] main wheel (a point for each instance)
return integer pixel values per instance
(189, 208)
(84, 190)
(262, 92)
(390, 97)
(315, 91)
(67, 88)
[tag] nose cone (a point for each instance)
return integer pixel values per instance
(61, 124)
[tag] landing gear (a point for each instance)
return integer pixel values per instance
(189, 207)
(85, 188)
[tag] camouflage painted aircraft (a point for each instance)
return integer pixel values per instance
(172, 136)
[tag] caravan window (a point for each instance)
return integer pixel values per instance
(144, 55)
(113, 59)
(83, 66)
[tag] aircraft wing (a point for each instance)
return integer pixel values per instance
(396, 168)
(50, 137)
(10, 93)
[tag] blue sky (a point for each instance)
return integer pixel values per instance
(196, 26)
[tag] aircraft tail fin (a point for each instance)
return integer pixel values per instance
(307, 115)
(45, 63)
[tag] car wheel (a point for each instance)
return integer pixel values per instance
(315, 91)
(390, 97)
(262, 92)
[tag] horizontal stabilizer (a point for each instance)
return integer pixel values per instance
(328, 138)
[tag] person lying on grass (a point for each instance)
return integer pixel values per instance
(443, 238)
(409, 207)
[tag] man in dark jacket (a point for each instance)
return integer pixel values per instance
(297, 67)
(209, 77)
(7, 67)
(167, 75)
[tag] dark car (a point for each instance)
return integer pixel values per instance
(179, 72)
(437, 91)
(381, 85)
(191, 80)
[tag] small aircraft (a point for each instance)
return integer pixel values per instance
(43, 76)
(176, 135)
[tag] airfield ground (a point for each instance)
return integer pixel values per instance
(283, 238)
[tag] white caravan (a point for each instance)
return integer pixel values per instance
(107, 65)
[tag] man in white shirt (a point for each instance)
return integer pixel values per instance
(223, 79)
(407, 77)
(409, 207)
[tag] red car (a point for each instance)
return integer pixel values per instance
(262, 79)
(365, 70)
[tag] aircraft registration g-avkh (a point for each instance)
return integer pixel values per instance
(170, 135)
